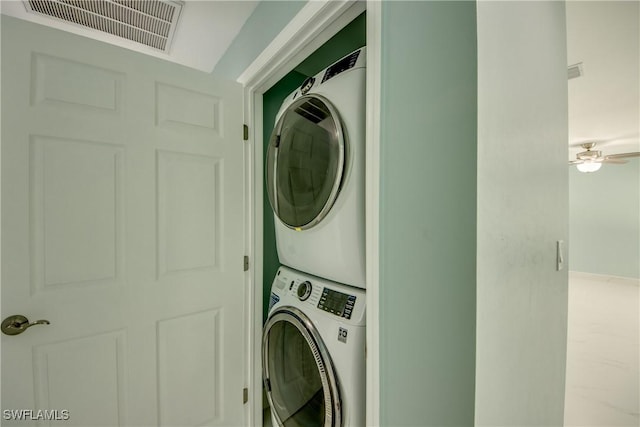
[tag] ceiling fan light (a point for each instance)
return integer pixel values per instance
(589, 166)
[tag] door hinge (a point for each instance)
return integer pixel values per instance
(246, 263)
(245, 132)
(245, 395)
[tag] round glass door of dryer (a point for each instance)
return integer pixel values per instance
(305, 162)
(299, 376)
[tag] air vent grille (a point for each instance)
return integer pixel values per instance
(148, 22)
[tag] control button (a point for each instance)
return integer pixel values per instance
(304, 290)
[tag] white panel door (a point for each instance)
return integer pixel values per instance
(122, 225)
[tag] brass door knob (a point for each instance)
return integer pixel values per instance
(17, 324)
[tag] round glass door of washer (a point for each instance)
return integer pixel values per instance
(305, 162)
(298, 374)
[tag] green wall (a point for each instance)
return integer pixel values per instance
(428, 213)
(350, 38)
(604, 220)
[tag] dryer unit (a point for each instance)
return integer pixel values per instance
(313, 352)
(315, 174)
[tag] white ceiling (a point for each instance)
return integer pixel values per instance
(205, 30)
(602, 35)
(604, 102)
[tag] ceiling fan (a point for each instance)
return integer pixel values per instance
(591, 160)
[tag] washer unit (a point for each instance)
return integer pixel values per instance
(315, 173)
(313, 352)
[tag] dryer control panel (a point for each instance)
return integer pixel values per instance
(337, 303)
(342, 65)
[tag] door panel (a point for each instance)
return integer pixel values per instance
(122, 201)
(178, 349)
(189, 212)
(64, 175)
(98, 359)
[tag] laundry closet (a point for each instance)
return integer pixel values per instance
(314, 247)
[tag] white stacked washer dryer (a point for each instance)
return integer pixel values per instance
(314, 337)
(315, 174)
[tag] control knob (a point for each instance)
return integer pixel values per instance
(304, 290)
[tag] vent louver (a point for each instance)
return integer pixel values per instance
(313, 110)
(148, 22)
(574, 71)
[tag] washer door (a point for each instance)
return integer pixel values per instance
(298, 373)
(305, 162)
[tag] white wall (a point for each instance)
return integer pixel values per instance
(522, 211)
(603, 351)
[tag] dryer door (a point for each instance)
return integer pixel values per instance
(299, 376)
(305, 162)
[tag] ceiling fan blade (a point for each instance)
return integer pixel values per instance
(623, 155)
(614, 161)
(576, 162)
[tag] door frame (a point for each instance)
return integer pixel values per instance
(316, 23)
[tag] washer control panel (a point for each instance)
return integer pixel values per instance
(337, 303)
(317, 295)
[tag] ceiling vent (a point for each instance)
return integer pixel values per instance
(575, 70)
(148, 22)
